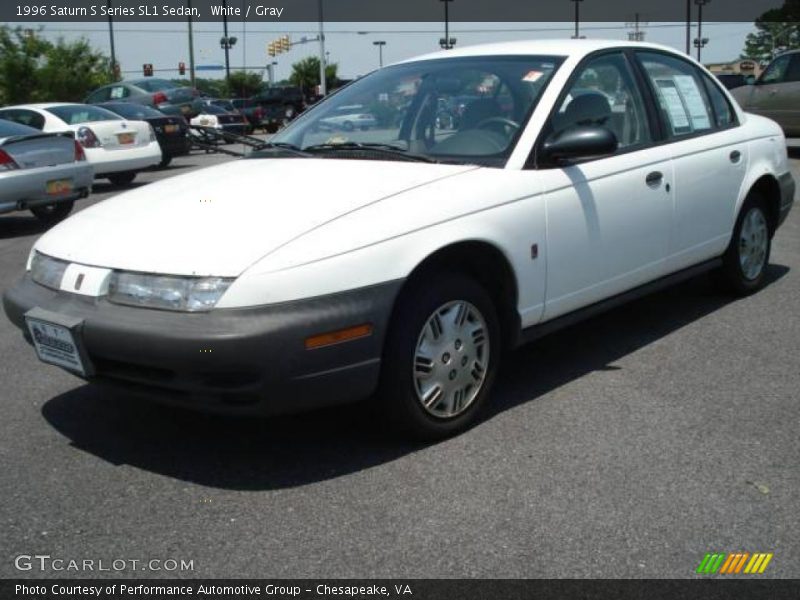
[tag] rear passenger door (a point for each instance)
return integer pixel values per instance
(709, 156)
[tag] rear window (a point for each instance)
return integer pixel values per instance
(134, 111)
(213, 109)
(73, 114)
(7, 129)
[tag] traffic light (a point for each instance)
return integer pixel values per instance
(148, 69)
(285, 44)
(271, 49)
(182, 68)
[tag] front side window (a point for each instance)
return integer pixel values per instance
(604, 93)
(460, 110)
(681, 95)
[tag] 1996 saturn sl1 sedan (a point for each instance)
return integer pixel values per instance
(399, 263)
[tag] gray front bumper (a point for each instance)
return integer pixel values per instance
(250, 360)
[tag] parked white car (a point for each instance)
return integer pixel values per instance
(401, 263)
(116, 148)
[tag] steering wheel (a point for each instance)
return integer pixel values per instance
(498, 122)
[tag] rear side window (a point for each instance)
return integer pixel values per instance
(24, 117)
(776, 71)
(680, 91)
(723, 111)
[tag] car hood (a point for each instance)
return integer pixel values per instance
(220, 220)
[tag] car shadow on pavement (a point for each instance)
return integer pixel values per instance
(290, 451)
(20, 225)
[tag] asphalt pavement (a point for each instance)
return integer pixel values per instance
(626, 446)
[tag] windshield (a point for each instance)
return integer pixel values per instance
(462, 110)
(73, 114)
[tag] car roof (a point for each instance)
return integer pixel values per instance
(44, 105)
(554, 47)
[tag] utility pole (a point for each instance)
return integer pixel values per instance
(111, 36)
(380, 44)
(577, 35)
(323, 86)
(689, 27)
(191, 44)
(637, 35)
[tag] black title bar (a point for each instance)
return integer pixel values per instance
(383, 10)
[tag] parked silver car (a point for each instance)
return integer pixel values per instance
(41, 172)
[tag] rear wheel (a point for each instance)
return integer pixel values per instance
(121, 179)
(53, 213)
(745, 261)
(441, 357)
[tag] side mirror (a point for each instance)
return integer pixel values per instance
(580, 141)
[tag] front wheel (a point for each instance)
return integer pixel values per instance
(440, 358)
(745, 261)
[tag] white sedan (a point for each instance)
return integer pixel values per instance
(116, 148)
(399, 264)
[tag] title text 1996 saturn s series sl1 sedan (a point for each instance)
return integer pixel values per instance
(399, 263)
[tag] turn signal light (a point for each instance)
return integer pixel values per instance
(337, 337)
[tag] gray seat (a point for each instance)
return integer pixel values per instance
(591, 108)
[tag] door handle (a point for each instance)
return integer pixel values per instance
(736, 156)
(654, 179)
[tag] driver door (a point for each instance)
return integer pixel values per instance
(608, 219)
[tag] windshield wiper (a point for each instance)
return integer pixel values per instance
(281, 146)
(370, 147)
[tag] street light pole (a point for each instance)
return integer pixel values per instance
(577, 19)
(226, 44)
(380, 44)
(447, 43)
(111, 36)
(689, 27)
(700, 41)
(323, 86)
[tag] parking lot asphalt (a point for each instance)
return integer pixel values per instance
(626, 446)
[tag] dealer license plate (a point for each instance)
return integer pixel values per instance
(126, 138)
(59, 187)
(56, 345)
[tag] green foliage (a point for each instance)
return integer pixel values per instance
(244, 84)
(305, 73)
(778, 30)
(33, 69)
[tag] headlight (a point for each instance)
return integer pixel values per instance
(191, 294)
(47, 271)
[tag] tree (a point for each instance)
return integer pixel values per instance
(305, 73)
(244, 84)
(33, 69)
(778, 30)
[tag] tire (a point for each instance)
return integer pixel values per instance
(53, 213)
(121, 179)
(165, 160)
(744, 263)
(416, 362)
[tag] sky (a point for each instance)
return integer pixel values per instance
(351, 44)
